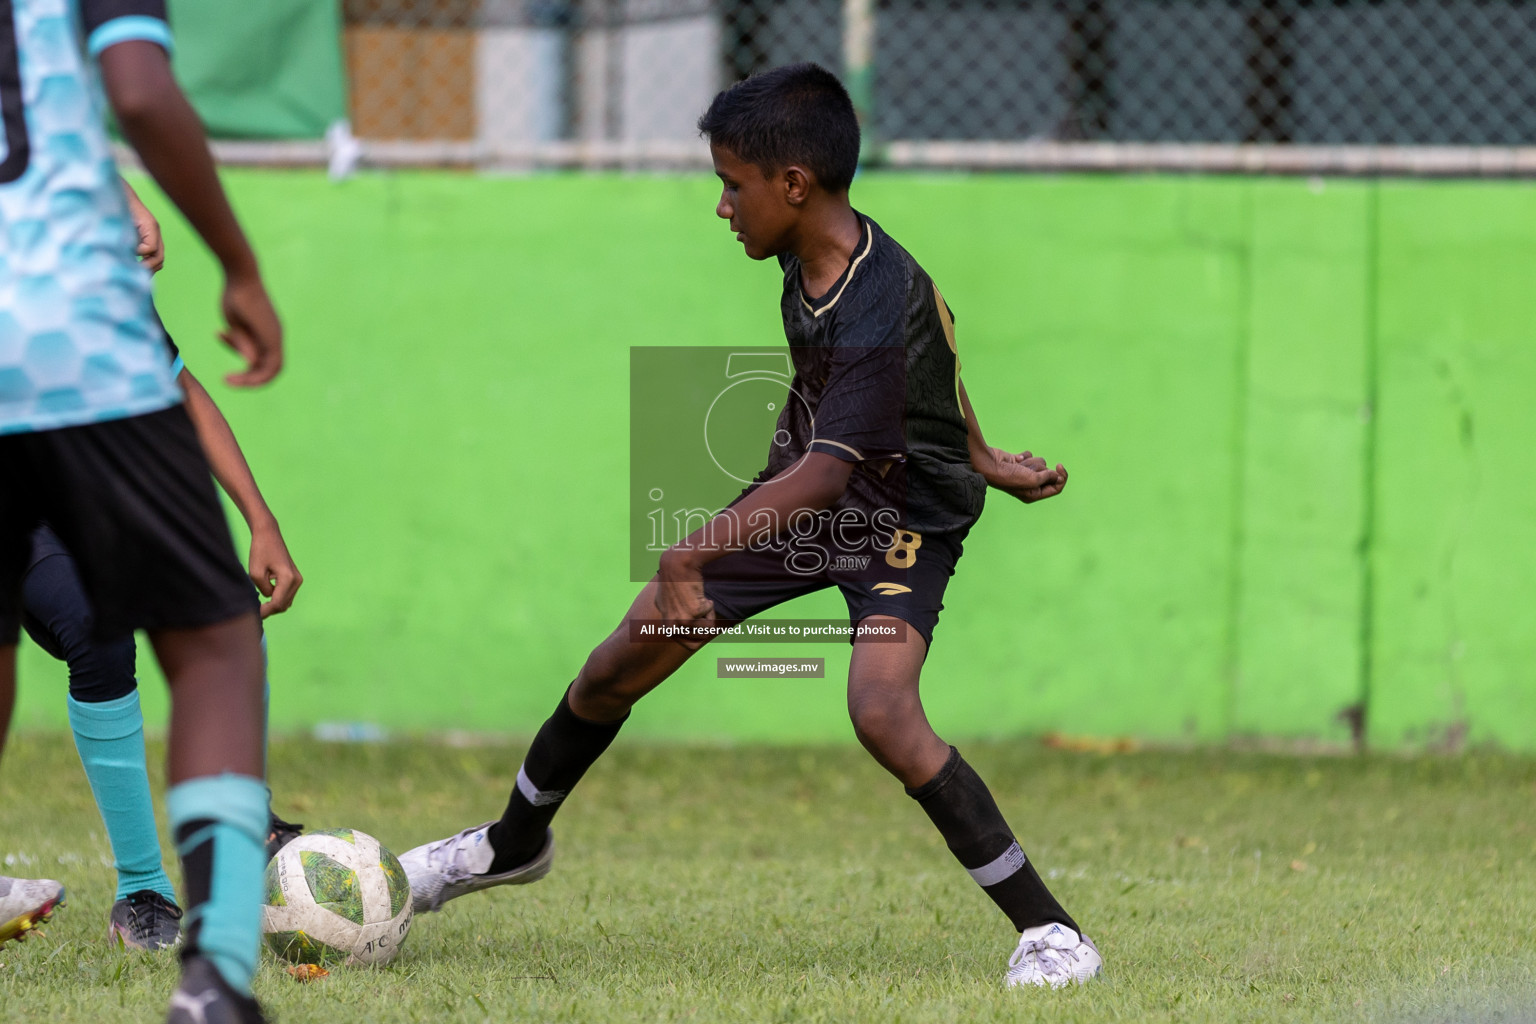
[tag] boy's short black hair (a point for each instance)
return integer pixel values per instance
(795, 114)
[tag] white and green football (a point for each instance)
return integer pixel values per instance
(336, 897)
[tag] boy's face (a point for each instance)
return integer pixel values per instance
(759, 207)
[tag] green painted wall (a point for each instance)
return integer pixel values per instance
(1299, 585)
(1296, 415)
(1455, 650)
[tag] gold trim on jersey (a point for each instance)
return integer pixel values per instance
(847, 448)
(946, 320)
(948, 323)
(869, 245)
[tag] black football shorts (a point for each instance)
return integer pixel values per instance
(901, 574)
(134, 503)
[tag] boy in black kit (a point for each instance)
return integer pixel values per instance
(877, 450)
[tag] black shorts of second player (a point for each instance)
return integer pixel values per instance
(905, 580)
(133, 501)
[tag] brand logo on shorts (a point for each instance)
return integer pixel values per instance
(890, 589)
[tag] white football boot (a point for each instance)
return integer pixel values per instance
(26, 903)
(449, 868)
(1053, 955)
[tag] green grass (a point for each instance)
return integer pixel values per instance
(799, 884)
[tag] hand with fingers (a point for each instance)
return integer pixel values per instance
(151, 247)
(252, 330)
(1024, 475)
(271, 568)
(680, 595)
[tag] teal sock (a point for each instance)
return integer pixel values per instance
(220, 823)
(110, 738)
(266, 707)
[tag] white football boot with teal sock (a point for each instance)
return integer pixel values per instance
(220, 823)
(110, 738)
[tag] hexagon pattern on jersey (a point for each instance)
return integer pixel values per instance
(79, 342)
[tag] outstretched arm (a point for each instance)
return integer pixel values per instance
(271, 568)
(163, 129)
(1021, 474)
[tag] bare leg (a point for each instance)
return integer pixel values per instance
(620, 671)
(888, 717)
(217, 712)
(217, 801)
(886, 710)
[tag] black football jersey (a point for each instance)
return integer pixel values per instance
(877, 383)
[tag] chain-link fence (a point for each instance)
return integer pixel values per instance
(1223, 84)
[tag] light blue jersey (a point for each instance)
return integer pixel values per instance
(79, 341)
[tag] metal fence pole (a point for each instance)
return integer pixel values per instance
(859, 67)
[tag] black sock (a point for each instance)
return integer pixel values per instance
(967, 817)
(196, 880)
(564, 749)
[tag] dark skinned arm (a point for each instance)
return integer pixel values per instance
(1021, 474)
(813, 483)
(163, 129)
(151, 247)
(271, 568)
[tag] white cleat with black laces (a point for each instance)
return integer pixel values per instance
(453, 867)
(1053, 956)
